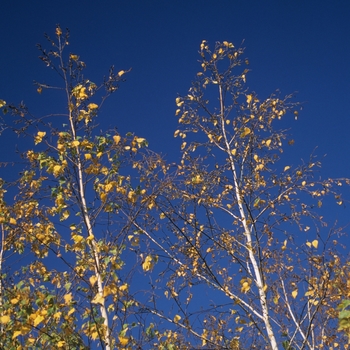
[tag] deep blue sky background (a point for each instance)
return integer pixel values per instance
(299, 45)
(293, 46)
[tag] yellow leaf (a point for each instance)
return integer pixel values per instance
(123, 340)
(245, 287)
(286, 168)
(74, 57)
(315, 243)
(123, 287)
(65, 215)
(75, 143)
(5, 319)
(177, 318)
(177, 111)
(14, 301)
(234, 151)
(140, 140)
(162, 216)
(68, 298)
(249, 98)
(82, 94)
(87, 156)
(121, 73)
(245, 283)
(310, 292)
(92, 106)
(2, 103)
(94, 335)
(103, 197)
(38, 320)
(246, 131)
(57, 315)
(284, 247)
(57, 170)
(39, 137)
(132, 196)
(77, 238)
(79, 92)
(295, 293)
(61, 344)
(197, 180)
(13, 221)
(16, 334)
(116, 139)
(98, 299)
(183, 145)
(58, 31)
(147, 265)
(268, 142)
(308, 244)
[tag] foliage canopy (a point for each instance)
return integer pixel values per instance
(104, 244)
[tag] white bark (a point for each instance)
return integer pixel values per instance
(86, 217)
(247, 231)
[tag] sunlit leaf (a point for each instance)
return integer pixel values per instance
(73, 57)
(16, 334)
(197, 180)
(65, 215)
(123, 340)
(38, 320)
(246, 131)
(177, 318)
(295, 293)
(98, 299)
(5, 319)
(148, 263)
(12, 221)
(39, 137)
(116, 139)
(58, 31)
(92, 106)
(68, 298)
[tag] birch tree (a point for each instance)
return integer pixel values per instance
(250, 261)
(64, 281)
(106, 245)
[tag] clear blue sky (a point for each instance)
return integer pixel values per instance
(293, 46)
